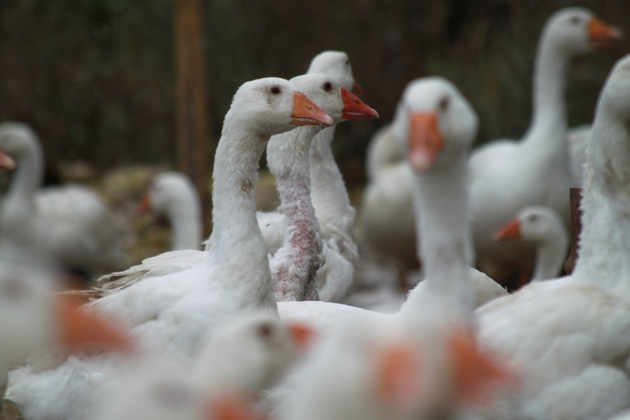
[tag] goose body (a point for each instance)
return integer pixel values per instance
(571, 359)
(177, 312)
(537, 167)
(70, 223)
(387, 216)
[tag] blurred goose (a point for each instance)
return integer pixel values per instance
(295, 265)
(70, 223)
(174, 314)
(545, 229)
(343, 380)
(574, 361)
(536, 168)
(391, 370)
(34, 320)
(173, 195)
(243, 358)
(387, 214)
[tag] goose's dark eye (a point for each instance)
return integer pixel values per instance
(533, 218)
(327, 86)
(275, 90)
(347, 62)
(265, 330)
(444, 102)
(575, 20)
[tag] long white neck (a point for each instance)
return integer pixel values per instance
(329, 194)
(185, 219)
(236, 243)
(603, 261)
(444, 239)
(294, 265)
(600, 259)
(549, 123)
(19, 205)
(550, 256)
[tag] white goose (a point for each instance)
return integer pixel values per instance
(537, 167)
(33, 320)
(438, 127)
(173, 195)
(296, 264)
(546, 230)
(174, 314)
(69, 223)
(574, 358)
(243, 358)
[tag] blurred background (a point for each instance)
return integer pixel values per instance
(96, 78)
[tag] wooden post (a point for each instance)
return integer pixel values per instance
(191, 109)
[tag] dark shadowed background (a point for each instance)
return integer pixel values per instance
(95, 78)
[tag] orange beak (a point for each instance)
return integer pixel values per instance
(476, 374)
(144, 206)
(6, 162)
(511, 230)
(306, 112)
(303, 335)
(231, 406)
(354, 108)
(601, 34)
(357, 89)
(82, 331)
(399, 374)
(425, 141)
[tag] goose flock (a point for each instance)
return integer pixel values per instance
(262, 320)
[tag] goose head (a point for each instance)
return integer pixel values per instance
(336, 64)
(253, 352)
(271, 106)
(533, 223)
(167, 191)
(16, 141)
(333, 98)
(433, 121)
(576, 31)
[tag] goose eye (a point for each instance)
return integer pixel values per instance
(533, 218)
(444, 102)
(347, 62)
(275, 90)
(575, 20)
(327, 86)
(265, 330)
